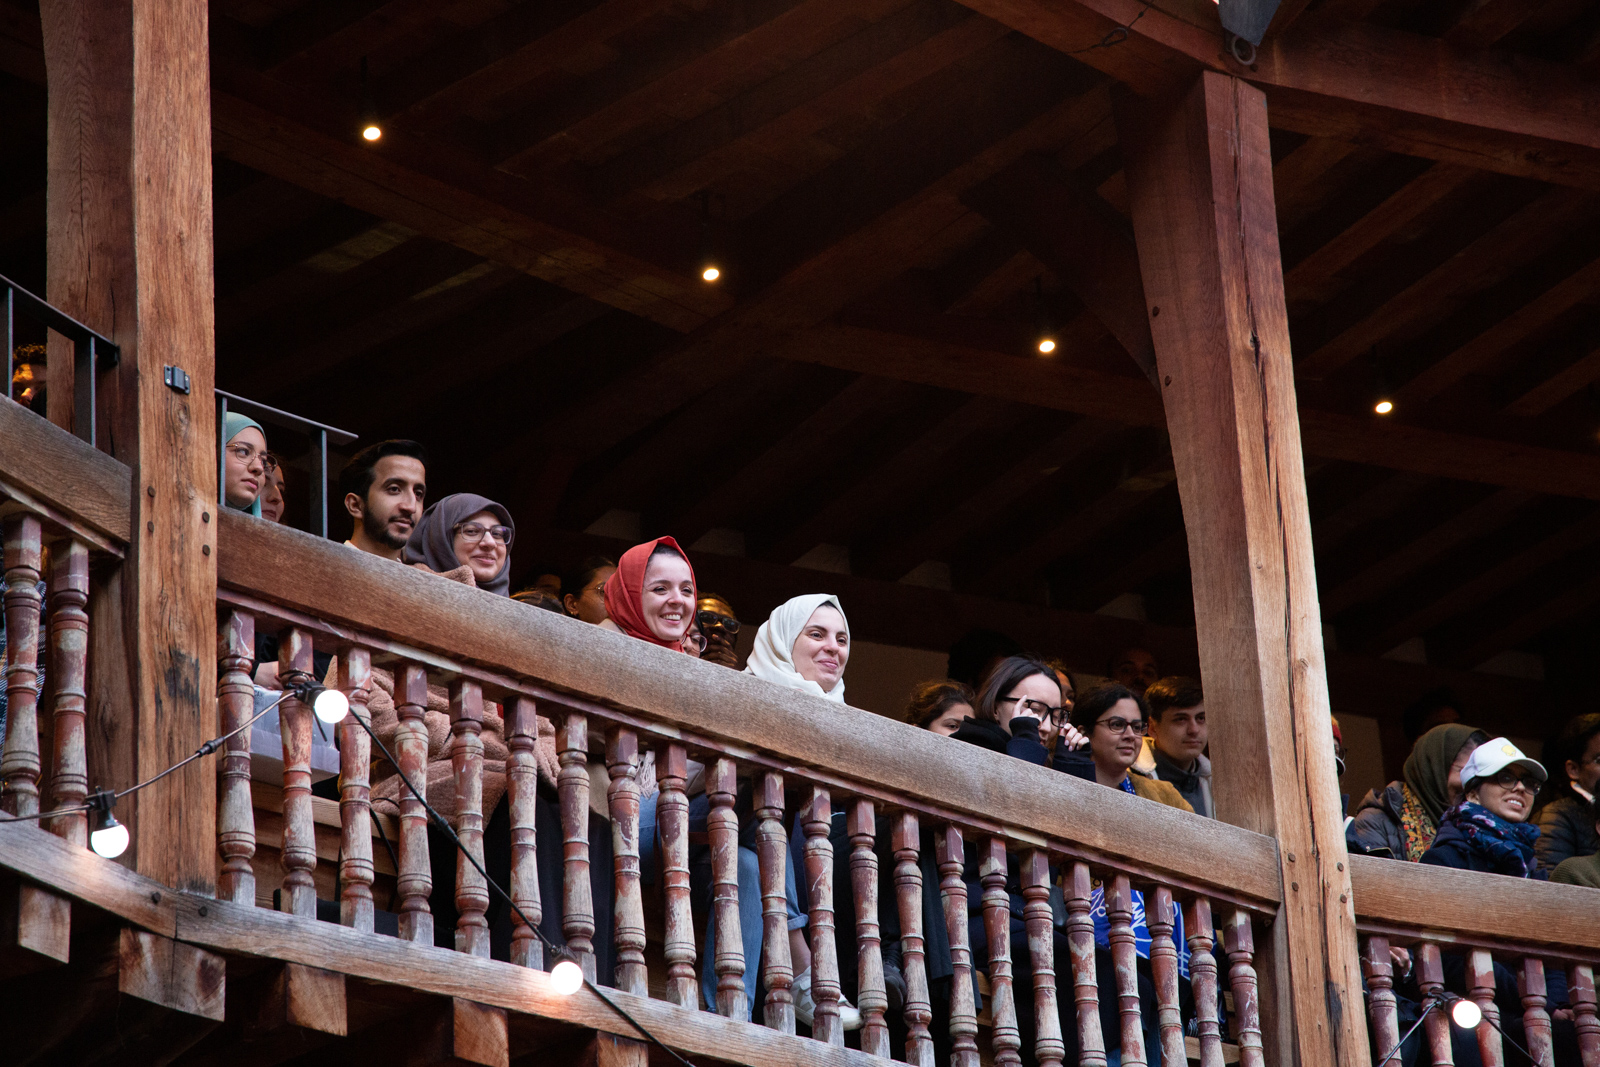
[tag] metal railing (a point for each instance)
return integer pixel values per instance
(320, 434)
(92, 352)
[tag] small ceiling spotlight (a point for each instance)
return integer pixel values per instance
(371, 128)
(1382, 395)
(1045, 341)
(1383, 406)
(710, 262)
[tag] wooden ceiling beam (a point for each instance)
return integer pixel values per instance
(1576, 376)
(1378, 502)
(546, 246)
(1485, 22)
(1356, 82)
(1569, 600)
(306, 26)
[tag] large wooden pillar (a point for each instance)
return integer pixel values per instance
(130, 255)
(1199, 174)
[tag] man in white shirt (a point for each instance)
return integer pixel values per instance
(385, 489)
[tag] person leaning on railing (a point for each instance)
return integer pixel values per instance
(384, 487)
(1581, 870)
(1565, 828)
(1400, 820)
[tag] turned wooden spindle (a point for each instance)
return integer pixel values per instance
(672, 822)
(1480, 988)
(953, 892)
(1535, 1013)
(299, 828)
(907, 842)
(1377, 966)
(825, 988)
(1580, 993)
(414, 881)
(1197, 927)
(1240, 940)
(1430, 982)
(1005, 1039)
(772, 851)
(236, 703)
(871, 997)
(1049, 1049)
(1161, 917)
(722, 826)
(466, 764)
(522, 784)
(622, 760)
(577, 912)
(69, 675)
(20, 764)
(1085, 989)
(355, 796)
(1125, 959)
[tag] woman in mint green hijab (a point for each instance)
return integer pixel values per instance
(245, 463)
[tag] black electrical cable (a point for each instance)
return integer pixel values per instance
(1440, 1002)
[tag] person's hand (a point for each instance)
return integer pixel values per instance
(1562, 1015)
(719, 649)
(1071, 737)
(1401, 959)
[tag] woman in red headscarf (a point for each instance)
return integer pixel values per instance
(652, 594)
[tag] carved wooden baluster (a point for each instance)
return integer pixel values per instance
(1197, 927)
(1006, 1040)
(953, 891)
(1085, 989)
(20, 764)
(1430, 981)
(466, 763)
(299, 829)
(1160, 916)
(1480, 986)
(1049, 1049)
(825, 988)
(577, 912)
(355, 796)
(1580, 992)
(1378, 969)
(622, 759)
(772, 850)
(907, 842)
(415, 879)
(1535, 1017)
(1125, 958)
(871, 998)
(672, 820)
(1240, 940)
(236, 818)
(722, 827)
(522, 784)
(69, 671)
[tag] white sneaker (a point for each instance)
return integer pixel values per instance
(805, 1009)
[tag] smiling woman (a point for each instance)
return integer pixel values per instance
(804, 645)
(651, 596)
(466, 530)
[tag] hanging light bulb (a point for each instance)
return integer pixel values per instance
(371, 129)
(711, 272)
(1466, 1014)
(1045, 342)
(331, 706)
(567, 976)
(1383, 406)
(109, 838)
(1382, 395)
(1047, 345)
(710, 267)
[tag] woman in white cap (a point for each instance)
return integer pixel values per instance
(1489, 829)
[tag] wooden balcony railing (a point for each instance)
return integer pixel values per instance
(611, 699)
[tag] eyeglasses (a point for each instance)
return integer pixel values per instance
(715, 620)
(1118, 726)
(1511, 779)
(1037, 708)
(694, 642)
(474, 532)
(245, 454)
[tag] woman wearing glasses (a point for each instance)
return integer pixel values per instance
(1023, 708)
(246, 463)
(465, 530)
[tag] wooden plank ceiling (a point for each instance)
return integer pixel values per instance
(899, 192)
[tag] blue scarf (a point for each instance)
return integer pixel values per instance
(1508, 844)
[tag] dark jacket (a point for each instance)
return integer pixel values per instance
(1566, 829)
(1451, 849)
(1375, 829)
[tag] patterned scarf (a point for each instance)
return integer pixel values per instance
(1508, 844)
(1417, 827)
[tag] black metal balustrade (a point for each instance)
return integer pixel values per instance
(93, 354)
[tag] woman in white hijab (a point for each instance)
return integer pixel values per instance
(804, 645)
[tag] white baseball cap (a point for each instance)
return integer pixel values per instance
(1492, 757)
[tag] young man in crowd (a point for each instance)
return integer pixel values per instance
(1135, 668)
(1174, 748)
(385, 490)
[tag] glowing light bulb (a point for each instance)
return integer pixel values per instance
(1046, 346)
(372, 131)
(711, 274)
(567, 977)
(331, 706)
(1383, 407)
(1466, 1014)
(110, 839)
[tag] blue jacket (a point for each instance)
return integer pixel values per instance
(1451, 849)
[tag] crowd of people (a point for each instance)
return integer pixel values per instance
(1466, 799)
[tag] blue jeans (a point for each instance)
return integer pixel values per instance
(750, 929)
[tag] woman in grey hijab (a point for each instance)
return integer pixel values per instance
(466, 530)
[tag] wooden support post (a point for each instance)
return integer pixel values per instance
(414, 879)
(1379, 969)
(355, 797)
(1085, 990)
(130, 254)
(1198, 927)
(772, 854)
(306, 997)
(171, 974)
(722, 826)
(907, 841)
(872, 997)
(466, 761)
(622, 760)
(1005, 1040)
(610, 1050)
(672, 820)
(951, 852)
(1199, 172)
(470, 1035)
(299, 826)
(522, 783)
(236, 817)
(1049, 1049)
(577, 911)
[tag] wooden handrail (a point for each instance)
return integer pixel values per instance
(739, 714)
(65, 475)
